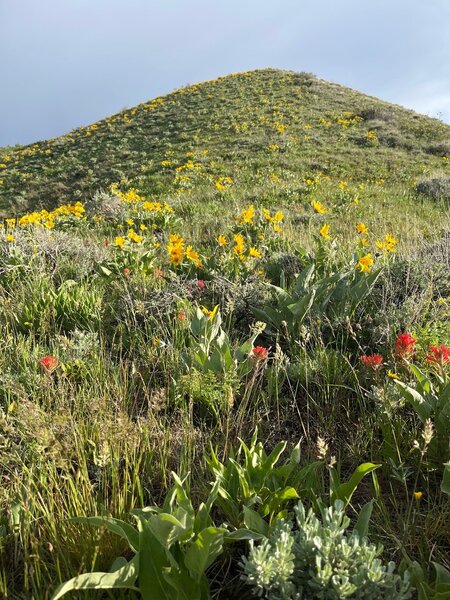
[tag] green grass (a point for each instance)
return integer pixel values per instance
(125, 407)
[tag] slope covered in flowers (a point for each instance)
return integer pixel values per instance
(238, 274)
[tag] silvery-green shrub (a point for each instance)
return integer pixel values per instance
(320, 559)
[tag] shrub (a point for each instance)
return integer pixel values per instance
(439, 148)
(436, 188)
(321, 560)
(376, 113)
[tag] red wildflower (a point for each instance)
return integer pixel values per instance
(404, 345)
(259, 353)
(438, 354)
(126, 272)
(181, 316)
(201, 284)
(48, 363)
(373, 361)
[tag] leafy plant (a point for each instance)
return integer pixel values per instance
(173, 547)
(210, 347)
(252, 484)
(321, 559)
(430, 399)
(337, 295)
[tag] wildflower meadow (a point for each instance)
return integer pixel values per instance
(225, 350)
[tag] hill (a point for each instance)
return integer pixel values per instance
(241, 126)
(231, 306)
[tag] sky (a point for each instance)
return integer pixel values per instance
(68, 63)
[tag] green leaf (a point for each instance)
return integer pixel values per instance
(185, 587)
(442, 574)
(204, 550)
(120, 528)
(362, 524)
(254, 522)
(445, 485)
(243, 535)
(345, 490)
(166, 528)
(123, 578)
(301, 308)
(420, 405)
(152, 562)
(277, 499)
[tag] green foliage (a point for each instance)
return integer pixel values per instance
(336, 296)
(320, 559)
(210, 347)
(145, 384)
(252, 484)
(430, 398)
(173, 546)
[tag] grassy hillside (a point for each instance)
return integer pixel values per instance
(265, 256)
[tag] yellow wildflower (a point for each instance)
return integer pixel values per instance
(365, 263)
(134, 237)
(119, 241)
(248, 215)
(10, 238)
(175, 249)
(193, 256)
(325, 231)
(319, 208)
(222, 240)
(361, 228)
(210, 313)
(239, 247)
(393, 375)
(389, 244)
(418, 496)
(254, 252)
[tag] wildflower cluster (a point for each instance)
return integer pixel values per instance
(177, 251)
(48, 219)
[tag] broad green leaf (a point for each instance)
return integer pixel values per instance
(120, 528)
(184, 586)
(204, 550)
(166, 528)
(152, 562)
(243, 535)
(345, 490)
(362, 524)
(419, 403)
(301, 308)
(445, 485)
(254, 522)
(442, 574)
(123, 578)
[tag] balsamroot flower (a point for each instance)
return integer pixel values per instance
(48, 363)
(365, 263)
(404, 345)
(372, 361)
(259, 353)
(438, 354)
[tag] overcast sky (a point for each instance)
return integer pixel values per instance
(67, 63)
